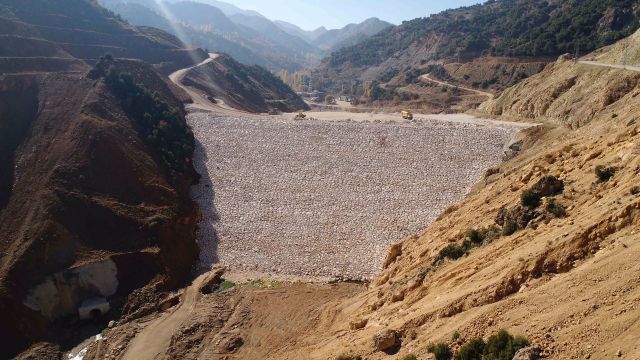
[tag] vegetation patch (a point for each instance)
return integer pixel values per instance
(555, 208)
(163, 128)
(226, 285)
(441, 351)
(530, 199)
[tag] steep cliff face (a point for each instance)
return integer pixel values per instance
(87, 187)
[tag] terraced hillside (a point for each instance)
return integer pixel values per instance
(44, 36)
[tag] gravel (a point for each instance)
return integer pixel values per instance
(322, 199)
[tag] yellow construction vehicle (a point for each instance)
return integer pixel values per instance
(407, 115)
(301, 116)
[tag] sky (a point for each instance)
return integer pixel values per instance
(311, 14)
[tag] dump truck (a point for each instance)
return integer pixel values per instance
(407, 115)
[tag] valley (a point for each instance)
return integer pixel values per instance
(195, 180)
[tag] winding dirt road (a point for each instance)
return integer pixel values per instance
(426, 77)
(200, 100)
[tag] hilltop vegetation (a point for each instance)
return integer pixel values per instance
(510, 28)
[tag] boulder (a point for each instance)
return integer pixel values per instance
(385, 339)
(548, 186)
(358, 324)
(520, 215)
(528, 353)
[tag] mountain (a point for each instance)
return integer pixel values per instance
(294, 30)
(249, 38)
(350, 35)
(228, 9)
(245, 87)
(292, 45)
(95, 168)
(464, 47)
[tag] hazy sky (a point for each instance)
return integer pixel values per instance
(311, 14)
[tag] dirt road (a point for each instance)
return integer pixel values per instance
(153, 341)
(426, 77)
(613, 66)
(200, 100)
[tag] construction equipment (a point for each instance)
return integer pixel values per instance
(407, 115)
(300, 116)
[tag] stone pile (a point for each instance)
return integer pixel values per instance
(326, 199)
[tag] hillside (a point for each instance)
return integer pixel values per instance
(249, 38)
(51, 38)
(484, 47)
(244, 87)
(94, 193)
(544, 246)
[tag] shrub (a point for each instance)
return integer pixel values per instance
(440, 351)
(455, 336)
(472, 350)
(635, 190)
(478, 236)
(489, 233)
(604, 173)
(474, 236)
(556, 208)
(509, 228)
(225, 285)
(410, 357)
(503, 346)
(452, 251)
(530, 199)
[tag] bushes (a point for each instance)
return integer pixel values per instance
(500, 346)
(452, 251)
(604, 173)
(163, 128)
(509, 228)
(472, 350)
(441, 351)
(555, 208)
(503, 346)
(481, 235)
(530, 199)
(410, 357)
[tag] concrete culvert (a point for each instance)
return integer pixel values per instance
(93, 308)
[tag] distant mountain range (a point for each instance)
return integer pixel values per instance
(488, 46)
(244, 34)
